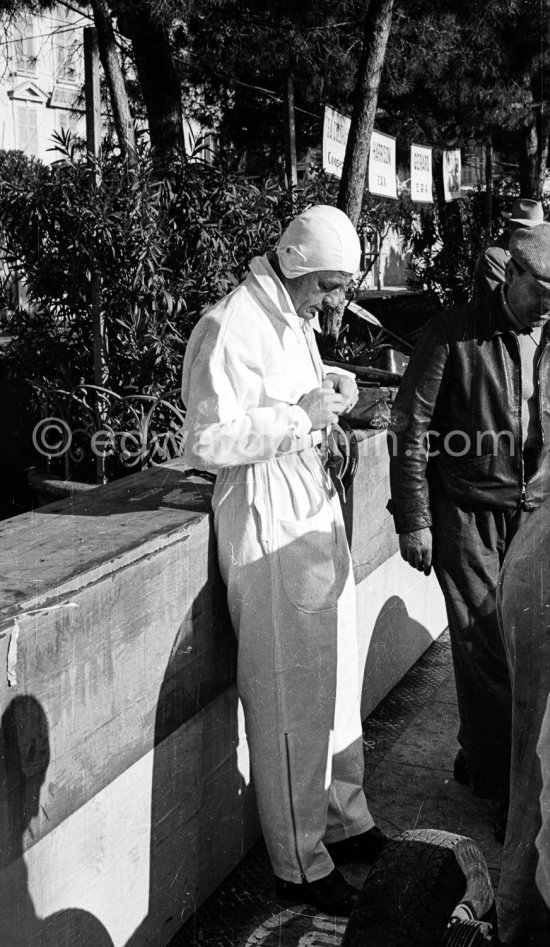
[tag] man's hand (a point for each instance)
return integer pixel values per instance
(346, 386)
(416, 549)
(322, 405)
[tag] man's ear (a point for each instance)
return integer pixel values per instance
(512, 271)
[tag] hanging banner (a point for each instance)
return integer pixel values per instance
(452, 174)
(421, 174)
(335, 139)
(382, 178)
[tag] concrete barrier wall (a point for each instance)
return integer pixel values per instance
(124, 773)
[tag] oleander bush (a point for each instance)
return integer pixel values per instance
(443, 252)
(160, 249)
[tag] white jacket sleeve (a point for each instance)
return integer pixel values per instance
(228, 422)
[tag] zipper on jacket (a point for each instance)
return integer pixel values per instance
(539, 395)
(541, 426)
(520, 427)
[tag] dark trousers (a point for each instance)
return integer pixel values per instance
(469, 548)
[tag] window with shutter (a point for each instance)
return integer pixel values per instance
(27, 127)
(25, 48)
(66, 51)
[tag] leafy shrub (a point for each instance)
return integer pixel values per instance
(443, 256)
(444, 252)
(162, 250)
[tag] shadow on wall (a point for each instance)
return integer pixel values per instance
(201, 793)
(396, 642)
(24, 760)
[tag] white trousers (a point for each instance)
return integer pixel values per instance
(285, 560)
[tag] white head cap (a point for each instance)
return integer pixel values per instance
(322, 238)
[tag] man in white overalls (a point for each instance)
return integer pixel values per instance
(259, 403)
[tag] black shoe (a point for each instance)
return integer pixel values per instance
(358, 848)
(331, 894)
(461, 773)
(500, 819)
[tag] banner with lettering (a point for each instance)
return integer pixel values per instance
(452, 174)
(382, 175)
(335, 138)
(421, 174)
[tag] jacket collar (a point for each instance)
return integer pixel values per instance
(264, 284)
(497, 317)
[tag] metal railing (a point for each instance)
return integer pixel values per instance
(93, 429)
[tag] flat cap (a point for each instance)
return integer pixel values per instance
(530, 248)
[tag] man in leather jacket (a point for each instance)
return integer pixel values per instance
(469, 459)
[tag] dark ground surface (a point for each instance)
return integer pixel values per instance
(410, 744)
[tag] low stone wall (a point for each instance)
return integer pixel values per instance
(124, 772)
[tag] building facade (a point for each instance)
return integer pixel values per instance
(41, 81)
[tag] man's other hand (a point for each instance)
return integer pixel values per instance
(346, 386)
(323, 406)
(416, 549)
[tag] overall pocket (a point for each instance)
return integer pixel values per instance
(314, 560)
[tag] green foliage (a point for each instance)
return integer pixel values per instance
(161, 248)
(459, 71)
(16, 7)
(240, 54)
(444, 267)
(443, 263)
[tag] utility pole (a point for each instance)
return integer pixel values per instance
(93, 143)
(290, 133)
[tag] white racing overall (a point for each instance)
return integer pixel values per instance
(284, 556)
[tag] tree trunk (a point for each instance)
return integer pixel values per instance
(489, 186)
(377, 31)
(115, 80)
(157, 76)
(533, 156)
(290, 133)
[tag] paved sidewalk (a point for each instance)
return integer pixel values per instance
(410, 744)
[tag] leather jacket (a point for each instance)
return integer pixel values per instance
(490, 268)
(462, 395)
